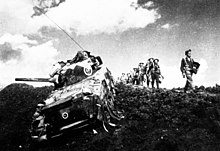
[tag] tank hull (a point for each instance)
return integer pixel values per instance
(75, 106)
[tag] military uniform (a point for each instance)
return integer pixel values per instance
(142, 72)
(149, 67)
(56, 75)
(129, 78)
(187, 68)
(123, 78)
(136, 76)
(155, 73)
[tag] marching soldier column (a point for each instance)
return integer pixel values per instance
(150, 74)
(145, 74)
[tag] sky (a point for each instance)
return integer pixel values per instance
(123, 32)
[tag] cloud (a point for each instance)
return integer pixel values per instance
(218, 82)
(185, 11)
(42, 6)
(172, 77)
(200, 77)
(83, 17)
(11, 46)
(16, 40)
(7, 53)
(166, 26)
(35, 60)
(102, 16)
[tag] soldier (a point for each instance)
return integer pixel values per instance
(149, 67)
(55, 75)
(135, 76)
(84, 59)
(83, 65)
(129, 80)
(142, 72)
(123, 78)
(187, 68)
(76, 69)
(80, 56)
(156, 73)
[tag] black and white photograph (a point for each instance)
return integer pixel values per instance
(110, 75)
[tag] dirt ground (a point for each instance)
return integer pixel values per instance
(160, 120)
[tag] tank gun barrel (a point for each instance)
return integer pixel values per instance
(34, 79)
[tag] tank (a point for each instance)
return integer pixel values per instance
(75, 105)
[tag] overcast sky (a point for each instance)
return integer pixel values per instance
(122, 32)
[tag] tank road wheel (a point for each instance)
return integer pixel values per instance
(39, 129)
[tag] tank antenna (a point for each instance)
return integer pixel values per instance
(60, 28)
(64, 32)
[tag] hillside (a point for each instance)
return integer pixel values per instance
(155, 121)
(17, 104)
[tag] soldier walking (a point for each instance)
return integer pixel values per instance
(129, 78)
(188, 67)
(156, 73)
(123, 78)
(149, 67)
(135, 76)
(142, 71)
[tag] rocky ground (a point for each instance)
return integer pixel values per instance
(162, 120)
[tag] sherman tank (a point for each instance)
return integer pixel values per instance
(75, 105)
